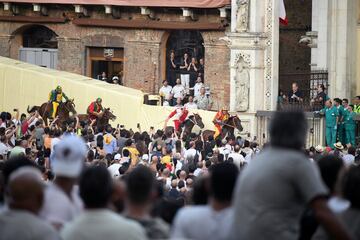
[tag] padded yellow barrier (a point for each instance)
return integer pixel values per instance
(23, 84)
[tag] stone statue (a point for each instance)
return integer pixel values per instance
(242, 15)
(242, 85)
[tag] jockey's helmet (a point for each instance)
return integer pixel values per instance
(224, 109)
(99, 100)
(58, 89)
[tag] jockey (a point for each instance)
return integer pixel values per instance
(219, 120)
(95, 108)
(179, 114)
(55, 98)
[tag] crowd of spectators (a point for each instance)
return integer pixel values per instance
(84, 182)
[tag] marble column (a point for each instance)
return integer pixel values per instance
(336, 22)
(253, 42)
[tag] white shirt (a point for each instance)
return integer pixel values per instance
(190, 221)
(198, 172)
(348, 159)
(114, 170)
(54, 141)
(58, 208)
(178, 91)
(102, 224)
(189, 153)
(4, 148)
(238, 158)
(197, 88)
(190, 105)
(165, 91)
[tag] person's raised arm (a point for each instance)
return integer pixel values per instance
(53, 122)
(77, 125)
(328, 220)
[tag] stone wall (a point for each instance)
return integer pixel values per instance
(143, 49)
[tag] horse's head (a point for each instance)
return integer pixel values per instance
(108, 114)
(70, 106)
(236, 122)
(198, 120)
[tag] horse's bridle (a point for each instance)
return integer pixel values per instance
(195, 121)
(68, 108)
(233, 122)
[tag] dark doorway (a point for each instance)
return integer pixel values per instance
(181, 42)
(105, 64)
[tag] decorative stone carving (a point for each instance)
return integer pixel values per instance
(242, 15)
(242, 85)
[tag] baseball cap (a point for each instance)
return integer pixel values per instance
(68, 157)
(117, 156)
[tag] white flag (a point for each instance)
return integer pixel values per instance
(282, 13)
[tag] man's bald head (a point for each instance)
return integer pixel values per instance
(26, 189)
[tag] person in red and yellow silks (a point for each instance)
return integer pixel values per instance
(219, 120)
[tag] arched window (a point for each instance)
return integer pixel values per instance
(181, 42)
(39, 37)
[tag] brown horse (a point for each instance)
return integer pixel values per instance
(103, 120)
(188, 125)
(63, 111)
(228, 128)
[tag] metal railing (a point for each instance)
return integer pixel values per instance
(315, 133)
(308, 83)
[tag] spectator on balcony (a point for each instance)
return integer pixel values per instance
(178, 91)
(184, 73)
(190, 104)
(193, 70)
(201, 68)
(198, 86)
(203, 101)
(321, 97)
(171, 69)
(165, 93)
(295, 95)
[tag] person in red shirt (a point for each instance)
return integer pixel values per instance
(95, 109)
(179, 114)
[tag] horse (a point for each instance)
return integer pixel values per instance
(228, 128)
(188, 125)
(103, 120)
(63, 111)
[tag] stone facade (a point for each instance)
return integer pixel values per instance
(144, 49)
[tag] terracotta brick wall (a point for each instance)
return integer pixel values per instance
(143, 49)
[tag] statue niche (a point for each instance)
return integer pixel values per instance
(242, 15)
(242, 86)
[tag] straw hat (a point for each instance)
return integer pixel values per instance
(339, 146)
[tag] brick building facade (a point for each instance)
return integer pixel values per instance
(141, 39)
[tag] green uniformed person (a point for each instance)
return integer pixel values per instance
(345, 104)
(331, 120)
(357, 104)
(340, 126)
(350, 126)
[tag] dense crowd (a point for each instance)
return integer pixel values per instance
(82, 181)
